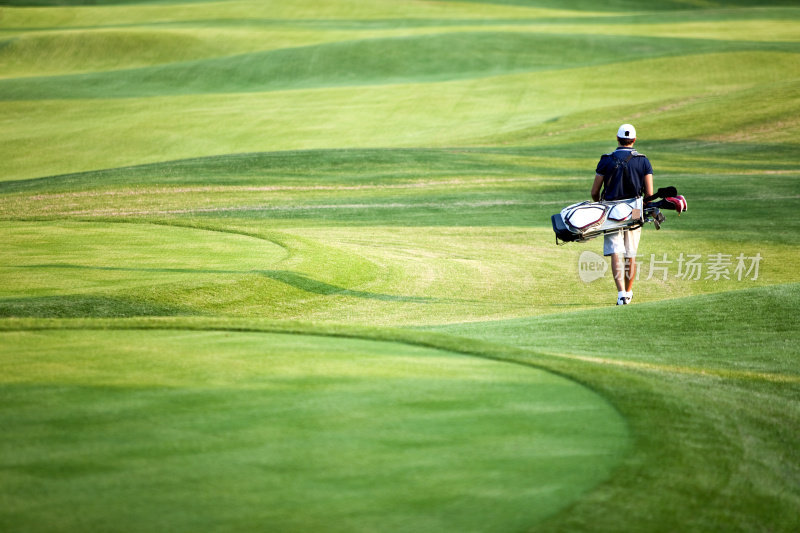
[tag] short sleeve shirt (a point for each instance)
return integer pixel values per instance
(639, 166)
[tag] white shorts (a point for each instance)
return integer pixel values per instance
(622, 242)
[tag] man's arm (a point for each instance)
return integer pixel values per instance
(648, 185)
(598, 183)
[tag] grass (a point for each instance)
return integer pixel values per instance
(288, 266)
(280, 405)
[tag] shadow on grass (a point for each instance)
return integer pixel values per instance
(84, 306)
(298, 281)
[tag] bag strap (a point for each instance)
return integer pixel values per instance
(626, 160)
(628, 173)
(619, 161)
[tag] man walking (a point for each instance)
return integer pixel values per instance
(623, 174)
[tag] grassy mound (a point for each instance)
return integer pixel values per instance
(247, 429)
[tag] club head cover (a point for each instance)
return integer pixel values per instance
(678, 203)
(662, 192)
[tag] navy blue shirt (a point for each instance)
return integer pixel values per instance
(639, 166)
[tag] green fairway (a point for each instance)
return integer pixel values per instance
(288, 266)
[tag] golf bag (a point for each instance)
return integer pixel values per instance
(586, 220)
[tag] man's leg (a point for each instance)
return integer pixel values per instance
(631, 246)
(619, 270)
(614, 247)
(630, 273)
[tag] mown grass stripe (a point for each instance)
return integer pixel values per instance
(688, 370)
(433, 58)
(440, 341)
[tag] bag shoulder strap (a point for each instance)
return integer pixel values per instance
(627, 159)
(617, 162)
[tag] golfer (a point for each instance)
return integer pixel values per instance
(619, 185)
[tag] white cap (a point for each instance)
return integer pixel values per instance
(626, 131)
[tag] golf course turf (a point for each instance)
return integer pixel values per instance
(288, 266)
